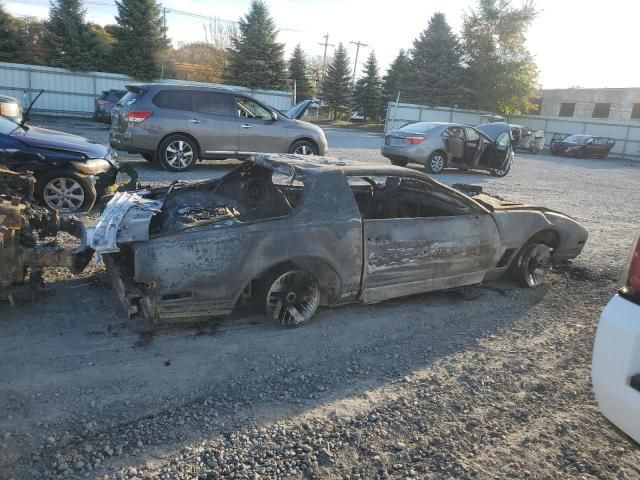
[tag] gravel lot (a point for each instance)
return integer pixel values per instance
(487, 382)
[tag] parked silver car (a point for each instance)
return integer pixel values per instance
(525, 138)
(438, 145)
(177, 125)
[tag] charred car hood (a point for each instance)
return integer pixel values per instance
(44, 138)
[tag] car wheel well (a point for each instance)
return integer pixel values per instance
(305, 139)
(189, 136)
(548, 237)
(325, 274)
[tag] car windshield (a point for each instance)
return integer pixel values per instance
(577, 139)
(419, 127)
(7, 126)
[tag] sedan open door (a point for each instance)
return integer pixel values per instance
(500, 155)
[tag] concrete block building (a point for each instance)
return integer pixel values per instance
(600, 104)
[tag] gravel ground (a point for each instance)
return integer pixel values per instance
(486, 382)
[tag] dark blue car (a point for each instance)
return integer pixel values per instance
(70, 171)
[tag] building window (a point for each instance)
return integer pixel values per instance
(635, 111)
(567, 109)
(601, 110)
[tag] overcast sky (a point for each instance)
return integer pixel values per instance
(575, 42)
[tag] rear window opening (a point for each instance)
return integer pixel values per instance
(248, 194)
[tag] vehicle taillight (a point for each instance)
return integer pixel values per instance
(631, 274)
(415, 140)
(137, 117)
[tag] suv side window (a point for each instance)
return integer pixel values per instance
(212, 103)
(174, 100)
(247, 108)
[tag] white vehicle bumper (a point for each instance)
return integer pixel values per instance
(616, 359)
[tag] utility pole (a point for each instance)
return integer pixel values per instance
(358, 44)
(164, 29)
(324, 57)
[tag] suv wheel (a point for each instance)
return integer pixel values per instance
(303, 147)
(178, 153)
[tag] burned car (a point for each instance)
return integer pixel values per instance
(24, 228)
(292, 233)
(525, 138)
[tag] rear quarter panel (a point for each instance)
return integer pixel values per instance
(216, 263)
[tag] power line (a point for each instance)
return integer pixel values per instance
(355, 64)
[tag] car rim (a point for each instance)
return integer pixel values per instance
(64, 194)
(179, 154)
(293, 298)
(538, 263)
(304, 150)
(437, 163)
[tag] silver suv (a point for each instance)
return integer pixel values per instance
(177, 125)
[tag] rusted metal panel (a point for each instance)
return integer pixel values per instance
(400, 252)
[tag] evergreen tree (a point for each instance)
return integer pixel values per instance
(367, 93)
(299, 71)
(70, 41)
(396, 78)
(501, 73)
(336, 87)
(140, 39)
(435, 76)
(11, 46)
(256, 59)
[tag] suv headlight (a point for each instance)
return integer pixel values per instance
(92, 167)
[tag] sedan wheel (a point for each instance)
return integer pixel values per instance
(291, 297)
(66, 192)
(436, 162)
(532, 265)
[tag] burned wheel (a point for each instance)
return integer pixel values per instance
(532, 265)
(290, 297)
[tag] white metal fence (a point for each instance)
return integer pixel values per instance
(73, 93)
(626, 135)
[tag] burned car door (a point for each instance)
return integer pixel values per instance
(419, 238)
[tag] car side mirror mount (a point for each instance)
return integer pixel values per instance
(274, 116)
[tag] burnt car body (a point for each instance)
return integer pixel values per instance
(525, 138)
(583, 146)
(293, 233)
(105, 103)
(23, 226)
(438, 145)
(70, 171)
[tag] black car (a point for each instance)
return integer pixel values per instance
(582, 146)
(70, 171)
(105, 103)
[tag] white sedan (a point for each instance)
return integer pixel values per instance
(615, 370)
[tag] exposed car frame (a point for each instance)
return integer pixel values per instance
(331, 231)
